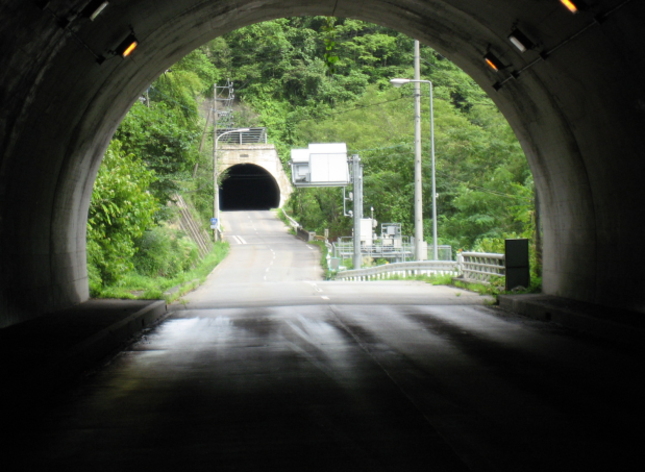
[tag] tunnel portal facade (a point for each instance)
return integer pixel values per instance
(573, 96)
(254, 178)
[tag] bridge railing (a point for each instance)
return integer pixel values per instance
(481, 266)
(402, 269)
(471, 266)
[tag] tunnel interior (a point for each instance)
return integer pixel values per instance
(248, 187)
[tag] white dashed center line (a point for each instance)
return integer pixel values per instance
(239, 239)
(270, 263)
(318, 289)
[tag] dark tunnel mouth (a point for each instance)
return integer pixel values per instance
(248, 187)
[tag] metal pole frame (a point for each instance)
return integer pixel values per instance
(357, 180)
(216, 175)
(418, 168)
(215, 169)
(434, 181)
(398, 83)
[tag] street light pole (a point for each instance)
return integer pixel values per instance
(398, 83)
(420, 250)
(216, 175)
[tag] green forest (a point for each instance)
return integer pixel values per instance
(308, 79)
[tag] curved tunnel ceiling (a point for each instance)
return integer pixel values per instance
(248, 187)
(578, 111)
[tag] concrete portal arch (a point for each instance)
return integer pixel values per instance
(263, 156)
(578, 109)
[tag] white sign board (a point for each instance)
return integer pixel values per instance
(320, 165)
(367, 228)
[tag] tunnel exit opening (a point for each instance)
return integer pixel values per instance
(570, 113)
(248, 187)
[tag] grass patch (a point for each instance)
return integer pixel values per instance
(482, 289)
(430, 279)
(137, 286)
(497, 287)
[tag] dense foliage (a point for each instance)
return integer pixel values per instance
(312, 79)
(154, 155)
(120, 211)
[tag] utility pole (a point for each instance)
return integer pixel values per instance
(357, 182)
(419, 246)
(215, 164)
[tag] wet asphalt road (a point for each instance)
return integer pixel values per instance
(267, 367)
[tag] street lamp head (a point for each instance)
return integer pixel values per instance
(399, 82)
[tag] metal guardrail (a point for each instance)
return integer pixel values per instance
(471, 266)
(301, 233)
(403, 269)
(481, 266)
(294, 224)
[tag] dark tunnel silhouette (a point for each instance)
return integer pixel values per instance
(249, 187)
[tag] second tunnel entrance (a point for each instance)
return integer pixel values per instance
(248, 187)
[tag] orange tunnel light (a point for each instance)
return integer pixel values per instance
(130, 49)
(127, 46)
(491, 65)
(493, 62)
(571, 6)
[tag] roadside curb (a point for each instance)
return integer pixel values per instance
(48, 352)
(621, 326)
(109, 339)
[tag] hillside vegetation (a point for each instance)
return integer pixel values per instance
(312, 79)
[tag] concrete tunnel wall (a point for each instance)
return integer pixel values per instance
(263, 156)
(579, 116)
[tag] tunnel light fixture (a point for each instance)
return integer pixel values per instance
(127, 46)
(493, 62)
(94, 9)
(520, 40)
(574, 6)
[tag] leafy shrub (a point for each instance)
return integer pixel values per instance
(189, 252)
(155, 252)
(120, 211)
(163, 251)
